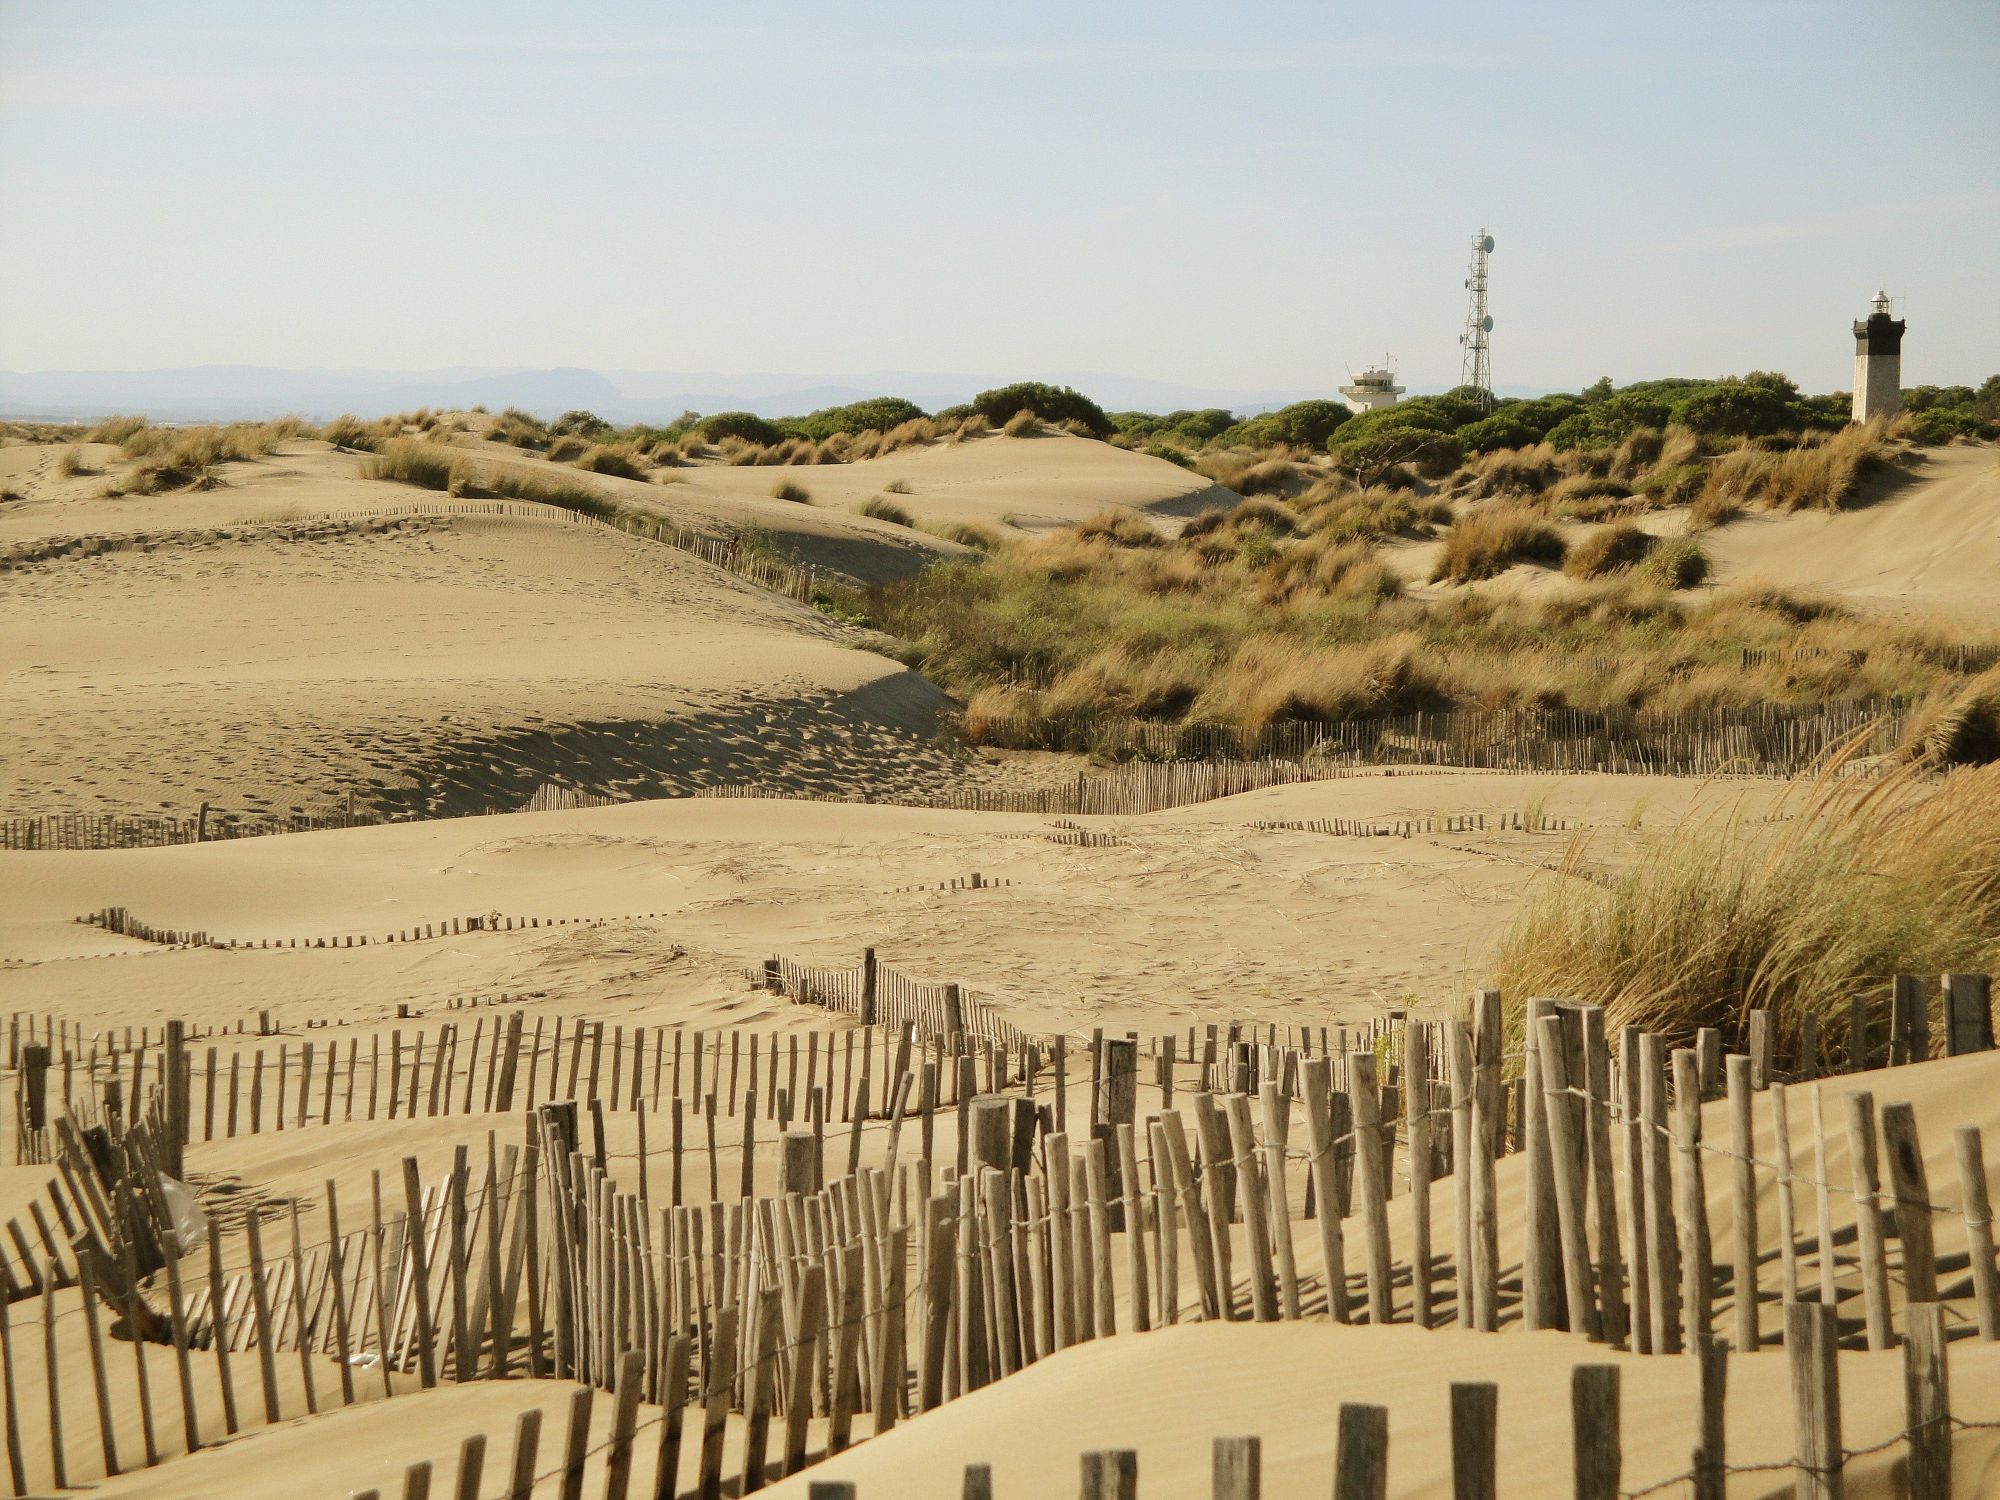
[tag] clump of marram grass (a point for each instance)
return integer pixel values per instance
(1958, 728)
(786, 489)
(1023, 423)
(1614, 549)
(1487, 542)
(114, 430)
(881, 508)
(1120, 528)
(1803, 476)
(351, 432)
(1864, 882)
(1674, 562)
(426, 465)
(620, 463)
(966, 534)
(897, 487)
(567, 447)
(69, 463)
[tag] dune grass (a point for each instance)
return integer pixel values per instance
(69, 463)
(786, 489)
(1487, 542)
(620, 463)
(1614, 549)
(883, 509)
(1867, 880)
(426, 465)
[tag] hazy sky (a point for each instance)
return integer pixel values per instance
(1256, 196)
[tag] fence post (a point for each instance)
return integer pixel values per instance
(1978, 1228)
(1111, 1474)
(1594, 1431)
(1711, 1475)
(1361, 1453)
(1911, 1186)
(1475, 1431)
(1927, 1401)
(1811, 1342)
(1968, 1014)
(1239, 1468)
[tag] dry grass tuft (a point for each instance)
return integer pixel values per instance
(1119, 528)
(1023, 423)
(69, 463)
(883, 509)
(1961, 728)
(426, 465)
(1674, 562)
(1487, 542)
(619, 462)
(115, 430)
(1611, 550)
(1865, 882)
(786, 489)
(1818, 476)
(567, 448)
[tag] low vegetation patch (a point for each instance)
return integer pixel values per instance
(1487, 542)
(426, 465)
(786, 489)
(1866, 881)
(882, 508)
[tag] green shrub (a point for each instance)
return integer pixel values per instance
(1170, 453)
(581, 423)
(744, 425)
(875, 414)
(1051, 403)
(1494, 433)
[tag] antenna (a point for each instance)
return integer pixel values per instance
(1477, 370)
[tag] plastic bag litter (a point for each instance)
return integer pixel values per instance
(366, 1361)
(190, 1223)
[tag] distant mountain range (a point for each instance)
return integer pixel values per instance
(217, 393)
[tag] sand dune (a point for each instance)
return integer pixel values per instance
(428, 664)
(1930, 545)
(1188, 912)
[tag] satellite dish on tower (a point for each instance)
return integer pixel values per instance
(1487, 323)
(1486, 244)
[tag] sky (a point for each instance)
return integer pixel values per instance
(1257, 196)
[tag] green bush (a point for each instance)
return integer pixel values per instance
(1170, 453)
(1310, 424)
(746, 425)
(1491, 434)
(581, 423)
(1051, 403)
(1372, 455)
(875, 414)
(1733, 408)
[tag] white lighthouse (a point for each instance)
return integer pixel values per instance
(1878, 362)
(1372, 388)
